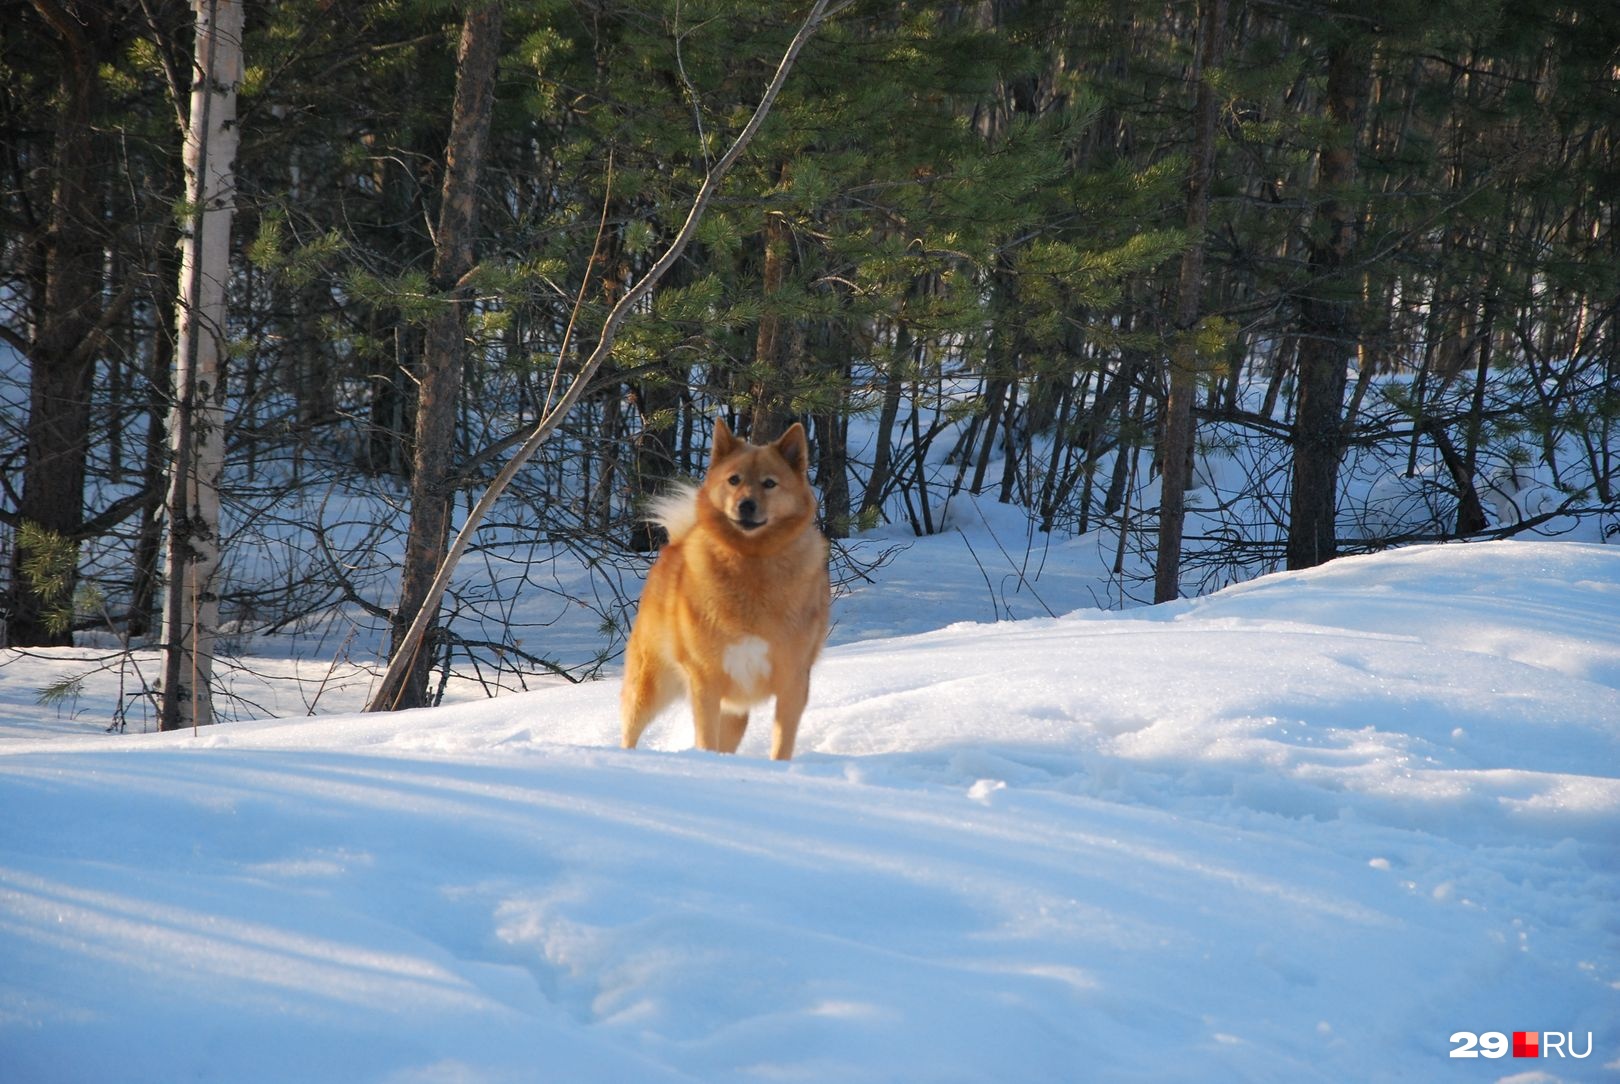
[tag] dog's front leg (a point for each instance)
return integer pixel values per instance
(705, 713)
(733, 725)
(790, 701)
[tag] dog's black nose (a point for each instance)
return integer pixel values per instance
(746, 509)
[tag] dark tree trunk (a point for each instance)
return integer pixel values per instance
(433, 458)
(995, 396)
(1326, 334)
(659, 400)
(392, 408)
(62, 355)
(883, 455)
(149, 539)
(1470, 513)
(1177, 451)
(772, 389)
(832, 437)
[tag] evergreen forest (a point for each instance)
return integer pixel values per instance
(1244, 285)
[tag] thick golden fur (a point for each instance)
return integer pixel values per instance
(735, 608)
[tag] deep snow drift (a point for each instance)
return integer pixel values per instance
(1307, 828)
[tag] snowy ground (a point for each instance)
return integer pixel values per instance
(1307, 828)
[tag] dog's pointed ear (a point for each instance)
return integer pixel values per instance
(724, 443)
(794, 447)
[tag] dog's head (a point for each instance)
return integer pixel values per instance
(760, 490)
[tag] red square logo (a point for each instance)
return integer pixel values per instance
(1527, 1044)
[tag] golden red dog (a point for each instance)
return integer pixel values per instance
(735, 608)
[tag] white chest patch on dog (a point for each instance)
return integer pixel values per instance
(748, 661)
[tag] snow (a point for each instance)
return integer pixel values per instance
(1305, 828)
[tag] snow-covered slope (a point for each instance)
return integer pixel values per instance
(1307, 828)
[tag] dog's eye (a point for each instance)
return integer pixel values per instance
(770, 483)
(734, 480)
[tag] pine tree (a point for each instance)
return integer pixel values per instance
(1177, 449)
(439, 379)
(70, 313)
(1326, 331)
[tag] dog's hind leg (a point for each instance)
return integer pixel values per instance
(649, 688)
(732, 725)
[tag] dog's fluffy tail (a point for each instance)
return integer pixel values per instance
(675, 510)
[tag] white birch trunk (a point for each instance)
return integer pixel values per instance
(196, 429)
